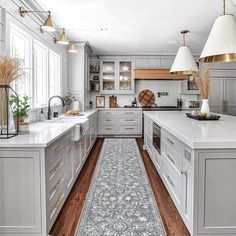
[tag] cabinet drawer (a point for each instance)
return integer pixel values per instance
(57, 148)
(134, 120)
(55, 168)
(108, 129)
(107, 113)
(172, 156)
(108, 120)
(130, 129)
(173, 181)
(130, 113)
(172, 141)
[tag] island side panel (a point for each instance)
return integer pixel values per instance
(216, 204)
(22, 194)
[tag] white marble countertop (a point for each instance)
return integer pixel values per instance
(43, 134)
(197, 134)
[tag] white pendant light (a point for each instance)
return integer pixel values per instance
(221, 42)
(184, 62)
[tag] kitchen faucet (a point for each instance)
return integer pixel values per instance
(49, 107)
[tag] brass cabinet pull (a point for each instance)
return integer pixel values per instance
(170, 158)
(184, 173)
(129, 120)
(58, 148)
(57, 166)
(108, 120)
(55, 188)
(71, 147)
(170, 141)
(171, 182)
(58, 202)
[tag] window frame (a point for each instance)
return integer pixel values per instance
(34, 38)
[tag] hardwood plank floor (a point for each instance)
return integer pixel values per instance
(67, 220)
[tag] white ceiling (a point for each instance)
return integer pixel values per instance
(137, 27)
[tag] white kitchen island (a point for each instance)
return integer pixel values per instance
(197, 163)
(38, 170)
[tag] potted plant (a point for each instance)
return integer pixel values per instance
(202, 80)
(20, 109)
(68, 99)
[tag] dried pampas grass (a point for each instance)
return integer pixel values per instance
(203, 82)
(10, 70)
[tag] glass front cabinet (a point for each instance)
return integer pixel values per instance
(117, 76)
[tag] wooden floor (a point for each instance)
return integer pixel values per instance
(68, 218)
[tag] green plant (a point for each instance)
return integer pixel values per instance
(68, 98)
(20, 107)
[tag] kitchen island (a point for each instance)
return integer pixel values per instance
(196, 161)
(38, 170)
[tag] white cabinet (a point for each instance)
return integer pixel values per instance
(117, 76)
(79, 74)
(120, 122)
(222, 96)
(21, 183)
(153, 62)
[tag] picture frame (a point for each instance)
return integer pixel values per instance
(100, 101)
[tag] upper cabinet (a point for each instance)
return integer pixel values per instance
(153, 63)
(117, 76)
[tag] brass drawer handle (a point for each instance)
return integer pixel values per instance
(170, 141)
(58, 202)
(129, 128)
(170, 158)
(108, 120)
(184, 173)
(129, 120)
(57, 166)
(58, 148)
(171, 182)
(71, 147)
(55, 188)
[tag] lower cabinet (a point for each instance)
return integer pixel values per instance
(120, 122)
(37, 182)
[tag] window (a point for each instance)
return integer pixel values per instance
(20, 45)
(42, 66)
(54, 73)
(40, 74)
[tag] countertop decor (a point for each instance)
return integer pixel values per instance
(10, 70)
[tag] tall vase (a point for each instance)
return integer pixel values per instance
(205, 107)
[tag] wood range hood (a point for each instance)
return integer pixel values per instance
(157, 74)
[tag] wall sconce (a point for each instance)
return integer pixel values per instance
(72, 48)
(62, 40)
(48, 23)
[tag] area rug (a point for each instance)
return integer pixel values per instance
(120, 201)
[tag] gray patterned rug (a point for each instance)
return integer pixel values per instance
(120, 201)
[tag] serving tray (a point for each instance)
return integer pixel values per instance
(196, 117)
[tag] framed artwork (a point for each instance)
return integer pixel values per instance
(100, 101)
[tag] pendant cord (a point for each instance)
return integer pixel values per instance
(223, 7)
(184, 39)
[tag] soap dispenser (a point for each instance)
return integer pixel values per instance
(41, 116)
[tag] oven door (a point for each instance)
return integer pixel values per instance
(157, 137)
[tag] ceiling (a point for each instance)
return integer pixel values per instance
(137, 27)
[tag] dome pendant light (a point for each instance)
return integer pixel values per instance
(63, 40)
(184, 62)
(72, 48)
(221, 43)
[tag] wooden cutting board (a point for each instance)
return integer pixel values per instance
(146, 98)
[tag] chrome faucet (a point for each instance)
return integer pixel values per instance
(49, 107)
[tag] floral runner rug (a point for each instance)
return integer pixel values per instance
(120, 201)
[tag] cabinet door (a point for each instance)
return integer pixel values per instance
(108, 76)
(187, 194)
(83, 148)
(22, 186)
(125, 70)
(154, 63)
(141, 63)
(216, 95)
(230, 96)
